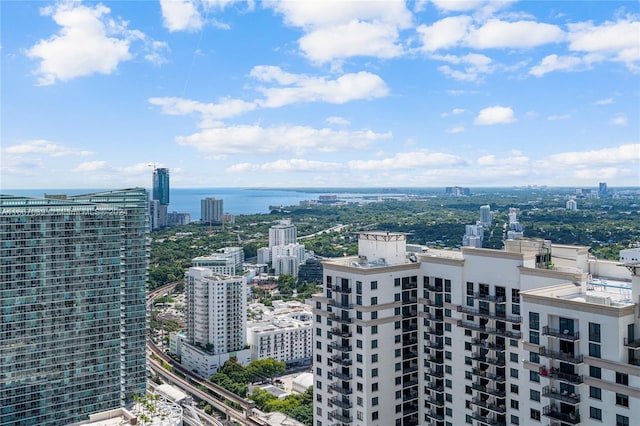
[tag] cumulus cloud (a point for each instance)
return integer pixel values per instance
(88, 42)
(335, 30)
(180, 15)
(224, 108)
(474, 65)
(520, 34)
(443, 34)
(491, 160)
(338, 121)
(409, 160)
(279, 166)
(253, 139)
(623, 154)
(607, 101)
(42, 146)
(557, 63)
(495, 115)
(453, 130)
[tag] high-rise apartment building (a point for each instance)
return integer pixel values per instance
(160, 198)
(227, 261)
(72, 305)
(485, 215)
(283, 233)
(211, 210)
(532, 334)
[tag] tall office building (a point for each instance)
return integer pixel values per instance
(72, 305)
(211, 210)
(283, 233)
(603, 191)
(477, 336)
(485, 215)
(160, 194)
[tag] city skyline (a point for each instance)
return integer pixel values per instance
(298, 94)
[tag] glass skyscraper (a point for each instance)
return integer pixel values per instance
(73, 274)
(161, 186)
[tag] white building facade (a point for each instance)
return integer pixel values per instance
(283, 233)
(443, 337)
(227, 261)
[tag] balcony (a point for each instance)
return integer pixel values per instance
(489, 298)
(436, 288)
(437, 401)
(338, 359)
(341, 348)
(340, 289)
(561, 376)
(512, 334)
(337, 400)
(483, 373)
(438, 372)
(552, 411)
(340, 389)
(430, 302)
(340, 319)
(411, 368)
(562, 356)
(564, 396)
(340, 417)
(486, 344)
(488, 390)
(487, 420)
(561, 334)
(339, 304)
(490, 315)
(340, 374)
(632, 343)
(500, 409)
(434, 345)
(337, 331)
(434, 414)
(409, 341)
(410, 395)
(434, 386)
(435, 359)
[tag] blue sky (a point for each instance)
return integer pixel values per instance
(320, 93)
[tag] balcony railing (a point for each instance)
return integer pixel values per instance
(337, 331)
(489, 390)
(340, 289)
(512, 334)
(562, 356)
(434, 386)
(560, 375)
(340, 389)
(564, 396)
(341, 319)
(562, 334)
(483, 373)
(408, 396)
(486, 344)
(434, 414)
(431, 302)
(341, 375)
(487, 420)
(500, 409)
(339, 304)
(341, 348)
(489, 297)
(437, 401)
(572, 417)
(337, 400)
(632, 343)
(491, 315)
(340, 417)
(434, 345)
(338, 359)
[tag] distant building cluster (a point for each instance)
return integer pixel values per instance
(457, 191)
(284, 253)
(515, 230)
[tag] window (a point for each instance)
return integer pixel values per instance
(594, 350)
(374, 372)
(622, 420)
(358, 300)
(359, 415)
(447, 341)
(447, 354)
(358, 343)
(514, 389)
(319, 384)
(319, 371)
(595, 413)
(396, 311)
(374, 329)
(513, 342)
(447, 286)
(534, 376)
(622, 379)
(448, 383)
(374, 300)
(515, 420)
(318, 344)
(514, 404)
(534, 395)
(359, 387)
(396, 297)
(534, 337)
(374, 415)
(594, 332)
(318, 332)
(514, 373)
(359, 357)
(535, 414)
(318, 358)
(374, 387)
(596, 372)
(374, 401)
(319, 411)
(358, 329)
(448, 369)
(374, 343)
(447, 326)
(469, 288)
(374, 285)
(359, 315)
(595, 392)
(534, 320)
(534, 357)
(513, 357)
(374, 357)
(622, 399)
(358, 287)
(359, 372)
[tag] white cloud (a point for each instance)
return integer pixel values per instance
(628, 153)
(619, 120)
(89, 42)
(90, 166)
(559, 117)
(253, 139)
(454, 130)
(180, 15)
(302, 88)
(335, 30)
(458, 111)
(516, 160)
(474, 64)
(616, 41)
(520, 34)
(279, 166)
(409, 160)
(443, 34)
(607, 101)
(338, 121)
(557, 63)
(225, 108)
(41, 146)
(495, 115)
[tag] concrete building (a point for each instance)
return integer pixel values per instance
(310, 271)
(475, 336)
(227, 261)
(216, 321)
(178, 219)
(283, 333)
(630, 255)
(282, 234)
(211, 210)
(72, 305)
(485, 215)
(572, 204)
(473, 236)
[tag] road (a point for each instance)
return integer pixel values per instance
(324, 231)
